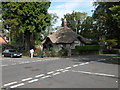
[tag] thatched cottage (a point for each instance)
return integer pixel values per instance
(63, 37)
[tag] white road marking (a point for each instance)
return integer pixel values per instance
(86, 63)
(26, 79)
(26, 62)
(101, 74)
(65, 70)
(58, 70)
(14, 64)
(61, 69)
(45, 77)
(39, 75)
(39, 60)
(67, 67)
(75, 65)
(8, 84)
(92, 61)
(4, 65)
(101, 60)
(33, 81)
(56, 73)
(21, 84)
(50, 72)
(20, 63)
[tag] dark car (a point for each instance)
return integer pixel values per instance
(11, 53)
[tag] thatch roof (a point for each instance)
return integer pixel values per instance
(65, 35)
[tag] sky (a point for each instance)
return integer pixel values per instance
(62, 7)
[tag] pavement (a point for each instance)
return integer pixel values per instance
(93, 71)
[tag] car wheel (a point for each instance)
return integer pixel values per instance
(11, 56)
(20, 56)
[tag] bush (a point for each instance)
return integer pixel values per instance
(87, 48)
(63, 52)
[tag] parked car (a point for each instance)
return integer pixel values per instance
(11, 53)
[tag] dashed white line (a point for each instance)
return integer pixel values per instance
(45, 76)
(26, 79)
(86, 63)
(82, 64)
(4, 65)
(65, 70)
(56, 73)
(61, 69)
(8, 84)
(33, 81)
(58, 70)
(75, 65)
(50, 72)
(67, 67)
(39, 75)
(21, 84)
(14, 64)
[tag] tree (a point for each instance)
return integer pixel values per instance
(50, 28)
(88, 29)
(107, 18)
(75, 20)
(27, 18)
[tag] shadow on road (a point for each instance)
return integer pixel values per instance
(112, 61)
(108, 59)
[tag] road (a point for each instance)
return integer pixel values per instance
(74, 72)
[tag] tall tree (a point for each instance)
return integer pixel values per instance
(107, 19)
(50, 28)
(89, 30)
(27, 18)
(75, 20)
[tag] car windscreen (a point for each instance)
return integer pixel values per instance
(12, 51)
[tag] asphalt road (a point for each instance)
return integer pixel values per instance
(74, 72)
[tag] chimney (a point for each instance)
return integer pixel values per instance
(64, 23)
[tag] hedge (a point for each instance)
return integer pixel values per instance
(87, 48)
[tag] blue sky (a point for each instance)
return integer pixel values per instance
(62, 7)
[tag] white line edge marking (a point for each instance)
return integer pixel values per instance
(33, 81)
(102, 74)
(9, 83)
(39, 75)
(26, 79)
(21, 84)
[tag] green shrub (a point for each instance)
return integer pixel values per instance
(88, 48)
(63, 52)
